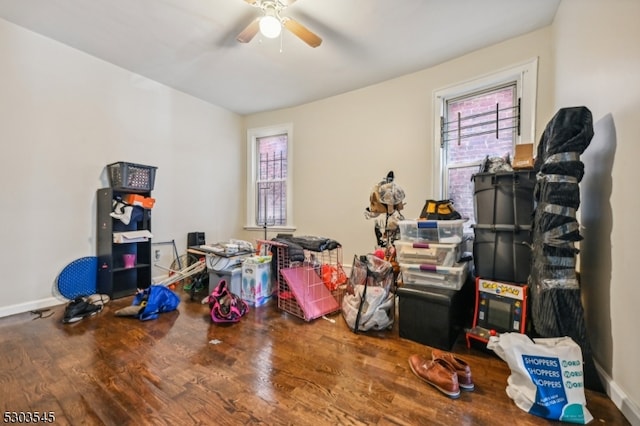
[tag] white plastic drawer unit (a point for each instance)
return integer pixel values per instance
(436, 231)
(449, 277)
(427, 253)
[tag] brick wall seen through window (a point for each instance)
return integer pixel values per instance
(464, 155)
(271, 182)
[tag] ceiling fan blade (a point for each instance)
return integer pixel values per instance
(301, 32)
(249, 32)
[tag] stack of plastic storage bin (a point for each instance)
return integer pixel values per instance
(432, 308)
(428, 253)
(503, 205)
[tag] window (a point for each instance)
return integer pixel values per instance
(269, 178)
(485, 117)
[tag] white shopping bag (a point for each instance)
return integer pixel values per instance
(547, 378)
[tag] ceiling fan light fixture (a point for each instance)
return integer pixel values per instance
(271, 23)
(270, 26)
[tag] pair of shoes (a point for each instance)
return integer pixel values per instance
(98, 299)
(438, 373)
(78, 309)
(463, 370)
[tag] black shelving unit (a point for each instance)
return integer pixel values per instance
(114, 279)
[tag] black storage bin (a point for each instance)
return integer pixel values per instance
(504, 198)
(434, 316)
(502, 252)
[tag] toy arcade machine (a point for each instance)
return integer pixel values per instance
(500, 308)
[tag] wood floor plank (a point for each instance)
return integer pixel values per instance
(272, 368)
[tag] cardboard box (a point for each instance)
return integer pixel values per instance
(257, 287)
(523, 158)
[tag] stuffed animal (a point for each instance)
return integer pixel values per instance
(386, 197)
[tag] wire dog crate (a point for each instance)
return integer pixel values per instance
(323, 268)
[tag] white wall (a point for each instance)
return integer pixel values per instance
(597, 58)
(347, 143)
(64, 115)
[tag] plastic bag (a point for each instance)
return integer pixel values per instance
(546, 378)
(155, 300)
(368, 302)
(375, 308)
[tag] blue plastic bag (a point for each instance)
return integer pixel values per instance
(155, 300)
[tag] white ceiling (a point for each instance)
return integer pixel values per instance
(191, 45)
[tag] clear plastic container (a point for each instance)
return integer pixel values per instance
(436, 231)
(449, 277)
(427, 253)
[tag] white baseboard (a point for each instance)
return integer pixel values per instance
(30, 306)
(619, 397)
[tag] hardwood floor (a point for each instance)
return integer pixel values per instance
(271, 368)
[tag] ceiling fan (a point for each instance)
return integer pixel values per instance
(271, 22)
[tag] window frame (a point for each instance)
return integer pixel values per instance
(525, 76)
(253, 135)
